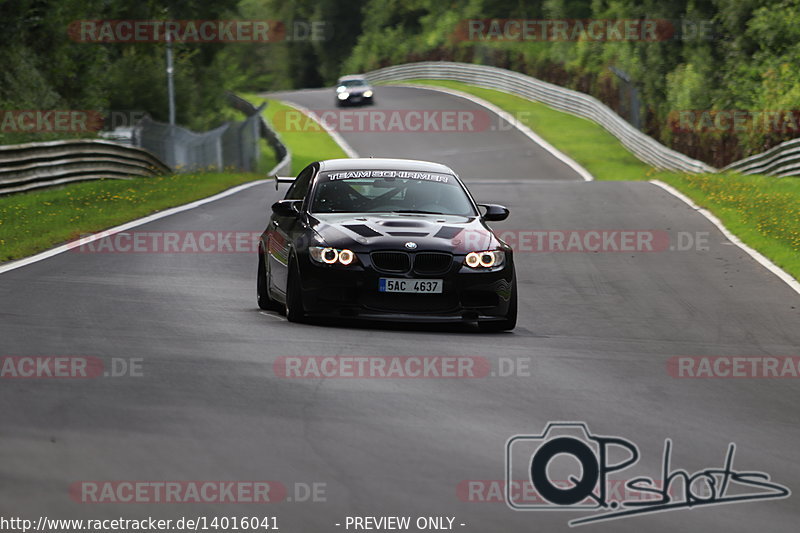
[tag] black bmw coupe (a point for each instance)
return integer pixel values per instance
(385, 239)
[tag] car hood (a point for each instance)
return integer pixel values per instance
(391, 231)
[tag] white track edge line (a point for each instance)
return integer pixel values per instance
(505, 115)
(344, 145)
(761, 259)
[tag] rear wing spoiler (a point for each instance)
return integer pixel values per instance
(282, 179)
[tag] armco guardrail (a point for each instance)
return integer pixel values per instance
(782, 160)
(28, 166)
(643, 146)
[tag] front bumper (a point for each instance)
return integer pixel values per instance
(467, 296)
(355, 99)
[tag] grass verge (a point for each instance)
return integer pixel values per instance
(762, 211)
(37, 220)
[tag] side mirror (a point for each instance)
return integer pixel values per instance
(287, 208)
(494, 212)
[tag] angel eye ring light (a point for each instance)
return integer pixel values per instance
(484, 259)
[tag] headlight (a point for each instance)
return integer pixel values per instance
(331, 256)
(346, 257)
(485, 259)
(367, 94)
(341, 88)
(343, 95)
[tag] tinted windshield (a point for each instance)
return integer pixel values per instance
(387, 191)
(352, 83)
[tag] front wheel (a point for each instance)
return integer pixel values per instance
(262, 289)
(510, 321)
(294, 297)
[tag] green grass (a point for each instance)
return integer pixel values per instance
(762, 211)
(309, 145)
(37, 220)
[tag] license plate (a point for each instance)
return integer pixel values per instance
(420, 286)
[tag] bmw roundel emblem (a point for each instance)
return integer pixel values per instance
(411, 245)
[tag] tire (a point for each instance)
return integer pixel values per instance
(510, 321)
(294, 298)
(262, 292)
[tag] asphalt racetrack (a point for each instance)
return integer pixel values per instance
(596, 332)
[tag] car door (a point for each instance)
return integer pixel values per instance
(282, 231)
